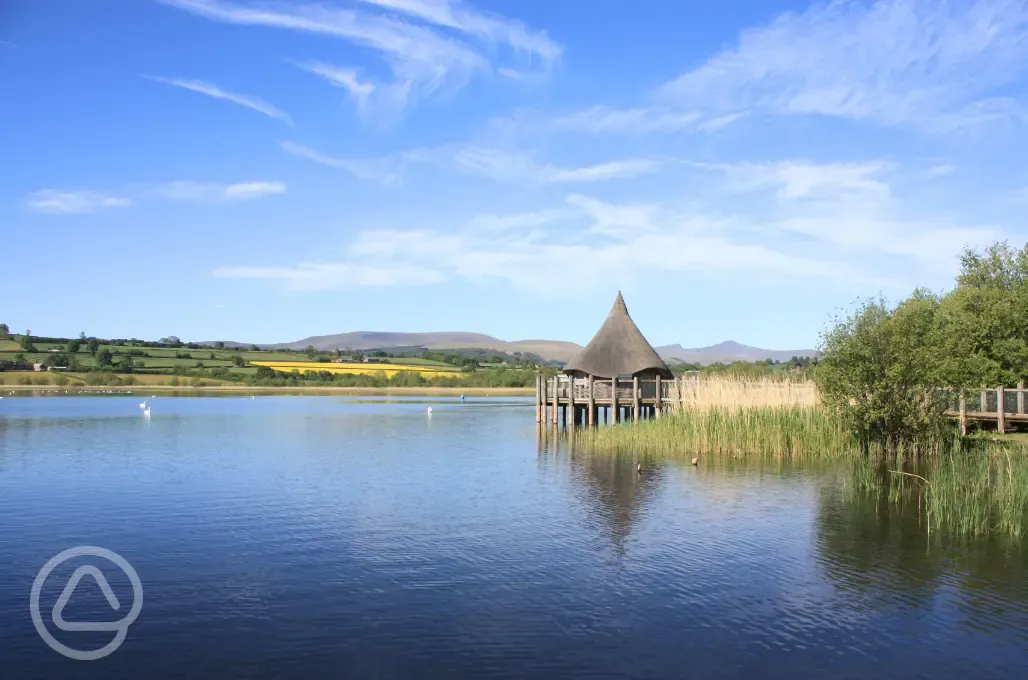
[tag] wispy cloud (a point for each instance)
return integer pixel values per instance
(601, 119)
(341, 76)
(798, 179)
(212, 90)
(317, 276)
(933, 64)
(423, 60)
(57, 202)
(500, 165)
(185, 190)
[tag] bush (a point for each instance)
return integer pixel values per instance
(173, 381)
(61, 379)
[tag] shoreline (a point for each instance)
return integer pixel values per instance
(328, 391)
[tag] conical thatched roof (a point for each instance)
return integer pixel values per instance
(617, 349)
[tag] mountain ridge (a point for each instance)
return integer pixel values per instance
(549, 350)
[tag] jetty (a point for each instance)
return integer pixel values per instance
(1001, 405)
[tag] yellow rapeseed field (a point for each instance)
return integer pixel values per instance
(388, 370)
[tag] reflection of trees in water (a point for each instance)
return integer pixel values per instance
(609, 486)
(882, 555)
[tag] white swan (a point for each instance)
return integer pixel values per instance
(429, 410)
(143, 405)
(146, 412)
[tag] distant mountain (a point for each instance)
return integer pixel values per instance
(727, 352)
(549, 350)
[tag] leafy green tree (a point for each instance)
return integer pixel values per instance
(255, 348)
(93, 346)
(125, 364)
(104, 358)
(219, 345)
(74, 346)
(238, 360)
(26, 342)
(881, 372)
(5, 331)
(311, 352)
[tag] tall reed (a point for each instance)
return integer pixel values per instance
(792, 432)
(732, 393)
(978, 492)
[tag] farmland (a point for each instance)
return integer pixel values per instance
(386, 369)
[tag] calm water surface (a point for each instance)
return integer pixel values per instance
(310, 537)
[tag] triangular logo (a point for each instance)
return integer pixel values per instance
(69, 590)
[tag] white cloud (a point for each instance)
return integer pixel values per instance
(422, 60)
(212, 90)
(797, 179)
(56, 201)
(344, 77)
(500, 165)
(601, 119)
(519, 221)
(88, 201)
(928, 63)
(603, 171)
(315, 276)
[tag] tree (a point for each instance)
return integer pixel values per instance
(82, 335)
(74, 345)
(5, 331)
(93, 345)
(219, 345)
(125, 364)
(104, 358)
(311, 352)
(26, 342)
(255, 348)
(881, 370)
(238, 360)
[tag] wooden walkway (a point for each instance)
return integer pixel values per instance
(1002, 405)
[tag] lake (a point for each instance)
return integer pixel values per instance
(310, 537)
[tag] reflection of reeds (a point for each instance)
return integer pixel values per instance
(974, 493)
(728, 393)
(795, 431)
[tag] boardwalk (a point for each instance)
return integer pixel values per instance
(1002, 405)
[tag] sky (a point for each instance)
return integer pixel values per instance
(266, 171)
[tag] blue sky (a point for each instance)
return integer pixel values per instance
(264, 171)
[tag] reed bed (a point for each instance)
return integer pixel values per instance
(972, 494)
(789, 432)
(732, 393)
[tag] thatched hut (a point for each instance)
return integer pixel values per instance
(618, 350)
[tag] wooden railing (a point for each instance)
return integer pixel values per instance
(1002, 404)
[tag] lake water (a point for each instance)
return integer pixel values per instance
(326, 537)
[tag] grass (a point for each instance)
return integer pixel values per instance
(789, 432)
(978, 492)
(731, 393)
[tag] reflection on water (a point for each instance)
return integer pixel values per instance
(326, 537)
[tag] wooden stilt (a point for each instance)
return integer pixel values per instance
(538, 398)
(1001, 415)
(985, 402)
(635, 398)
(592, 402)
(613, 398)
(1020, 398)
(556, 399)
(657, 404)
(571, 399)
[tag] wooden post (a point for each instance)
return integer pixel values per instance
(659, 403)
(613, 399)
(1020, 398)
(963, 415)
(985, 402)
(539, 398)
(635, 398)
(1001, 416)
(556, 399)
(571, 400)
(592, 402)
